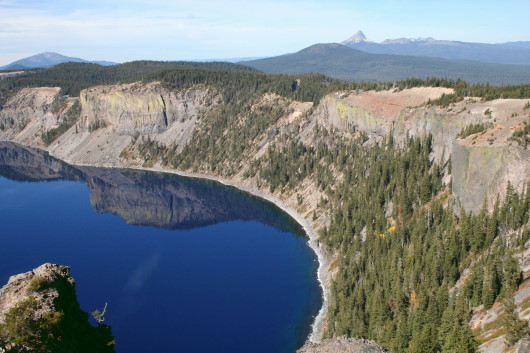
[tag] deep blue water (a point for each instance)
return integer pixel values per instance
(185, 265)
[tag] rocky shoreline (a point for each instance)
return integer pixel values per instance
(343, 345)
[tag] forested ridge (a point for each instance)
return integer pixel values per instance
(74, 77)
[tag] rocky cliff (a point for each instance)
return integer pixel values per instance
(482, 163)
(21, 286)
(39, 312)
(110, 117)
(402, 113)
(482, 172)
(29, 104)
(142, 109)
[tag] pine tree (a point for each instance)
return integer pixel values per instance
(516, 328)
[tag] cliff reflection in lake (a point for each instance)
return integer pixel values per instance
(147, 198)
(195, 266)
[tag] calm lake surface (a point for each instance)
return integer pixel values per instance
(185, 265)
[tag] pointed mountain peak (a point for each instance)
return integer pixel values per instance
(356, 38)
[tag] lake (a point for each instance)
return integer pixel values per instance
(185, 265)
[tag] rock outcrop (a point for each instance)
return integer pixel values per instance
(401, 113)
(48, 291)
(342, 345)
(21, 286)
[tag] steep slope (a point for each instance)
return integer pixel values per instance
(342, 62)
(482, 164)
(503, 53)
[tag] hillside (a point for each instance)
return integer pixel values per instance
(517, 53)
(399, 182)
(342, 62)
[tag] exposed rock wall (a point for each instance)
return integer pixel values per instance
(483, 171)
(337, 113)
(110, 117)
(137, 109)
(29, 104)
(341, 113)
(483, 163)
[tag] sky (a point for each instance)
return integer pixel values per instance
(126, 30)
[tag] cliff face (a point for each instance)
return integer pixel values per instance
(380, 113)
(29, 104)
(337, 113)
(110, 117)
(141, 109)
(482, 164)
(483, 171)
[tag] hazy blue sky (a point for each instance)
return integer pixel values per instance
(125, 30)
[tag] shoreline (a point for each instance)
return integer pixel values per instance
(323, 274)
(317, 327)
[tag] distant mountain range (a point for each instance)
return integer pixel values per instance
(45, 60)
(503, 53)
(343, 62)
(358, 58)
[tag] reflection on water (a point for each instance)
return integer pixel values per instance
(147, 198)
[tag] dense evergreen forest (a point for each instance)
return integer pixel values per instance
(401, 248)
